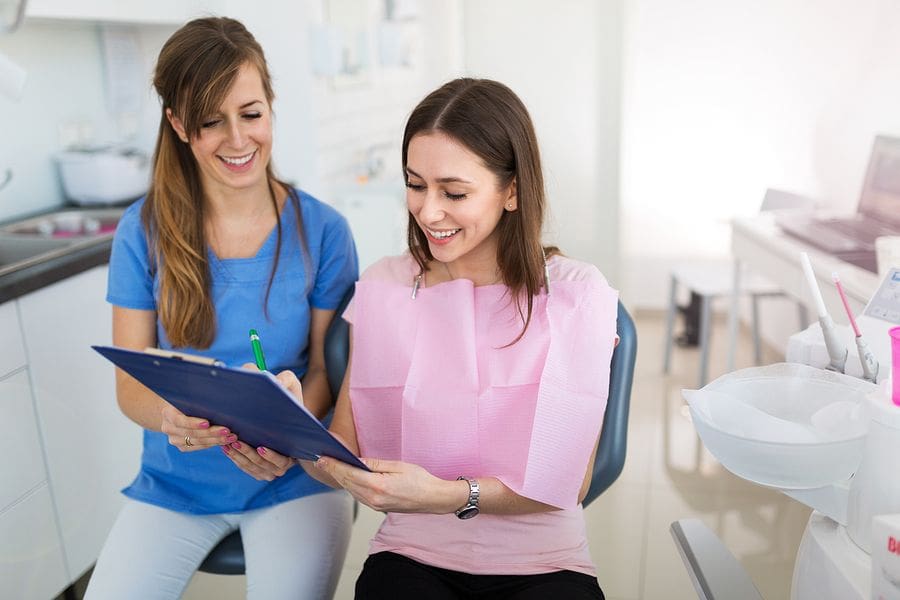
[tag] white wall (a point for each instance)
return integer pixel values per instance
(724, 98)
(564, 60)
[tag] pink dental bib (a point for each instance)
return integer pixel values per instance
(435, 382)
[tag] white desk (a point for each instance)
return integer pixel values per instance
(760, 244)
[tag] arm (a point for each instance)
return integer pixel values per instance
(316, 393)
(136, 330)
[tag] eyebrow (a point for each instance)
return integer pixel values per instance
(251, 103)
(440, 179)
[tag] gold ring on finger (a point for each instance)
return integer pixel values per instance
(187, 441)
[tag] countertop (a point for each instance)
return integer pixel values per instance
(45, 273)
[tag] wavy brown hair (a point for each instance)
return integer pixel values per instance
(194, 73)
(490, 120)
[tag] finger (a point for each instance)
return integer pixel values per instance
(245, 464)
(179, 419)
(378, 465)
(250, 366)
(278, 461)
(289, 380)
(275, 468)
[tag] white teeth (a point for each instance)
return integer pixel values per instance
(241, 160)
(442, 234)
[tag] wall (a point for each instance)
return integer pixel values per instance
(564, 60)
(723, 99)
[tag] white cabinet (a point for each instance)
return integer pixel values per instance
(92, 449)
(125, 11)
(31, 561)
(31, 557)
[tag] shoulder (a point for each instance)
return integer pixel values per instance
(564, 268)
(400, 269)
(130, 225)
(316, 211)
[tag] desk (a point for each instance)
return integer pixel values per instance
(759, 244)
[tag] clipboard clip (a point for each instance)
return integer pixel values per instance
(203, 360)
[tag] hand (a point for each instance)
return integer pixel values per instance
(260, 463)
(395, 486)
(288, 380)
(191, 433)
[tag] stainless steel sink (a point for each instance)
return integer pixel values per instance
(69, 223)
(34, 240)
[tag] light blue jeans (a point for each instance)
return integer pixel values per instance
(292, 550)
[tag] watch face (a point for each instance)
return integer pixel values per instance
(467, 512)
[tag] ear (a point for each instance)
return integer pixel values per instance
(512, 200)
(177, 125)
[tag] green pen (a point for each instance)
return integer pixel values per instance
(257, 351)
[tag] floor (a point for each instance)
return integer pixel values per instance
(668, 475)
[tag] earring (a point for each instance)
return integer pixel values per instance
(509, 206)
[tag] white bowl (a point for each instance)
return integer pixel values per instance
(786, 426)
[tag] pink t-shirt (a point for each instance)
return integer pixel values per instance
(435, 383)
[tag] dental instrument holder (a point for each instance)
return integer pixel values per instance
(837, 352)
(870, 364)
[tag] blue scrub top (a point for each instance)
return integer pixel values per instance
(206, 481)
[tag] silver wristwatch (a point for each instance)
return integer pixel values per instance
(471, 507)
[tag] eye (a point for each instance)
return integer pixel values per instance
(252, 115)
(450, 196)
(416, 187)
(210, 123)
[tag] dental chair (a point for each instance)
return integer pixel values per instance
(610, 456)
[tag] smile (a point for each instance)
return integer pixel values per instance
(442, 235)
(237, 161)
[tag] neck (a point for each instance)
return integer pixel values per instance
(480, 270)
(241, 205)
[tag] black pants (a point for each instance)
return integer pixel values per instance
(389, 576)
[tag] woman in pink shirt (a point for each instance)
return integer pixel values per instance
(479, 371)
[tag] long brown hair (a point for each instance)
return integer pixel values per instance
(490, 120)
(194, 73)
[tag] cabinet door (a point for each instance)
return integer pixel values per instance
(31, 560)
(22, 467)
(92, 449)
(12, 352)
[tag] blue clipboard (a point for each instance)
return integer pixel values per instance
(252, 404)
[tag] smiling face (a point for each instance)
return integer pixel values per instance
(234, 145)
(456, 201)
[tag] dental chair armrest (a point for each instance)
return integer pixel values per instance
(714, 571)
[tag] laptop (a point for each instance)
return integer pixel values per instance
(878, 214)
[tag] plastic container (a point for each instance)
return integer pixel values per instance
(786, 426)
(103, 176)
(895, 364)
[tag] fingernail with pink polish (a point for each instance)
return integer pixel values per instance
(261, 451)
(204, 425)
(236, 445)
(224, 433)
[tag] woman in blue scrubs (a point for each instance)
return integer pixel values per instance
(217, 247)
